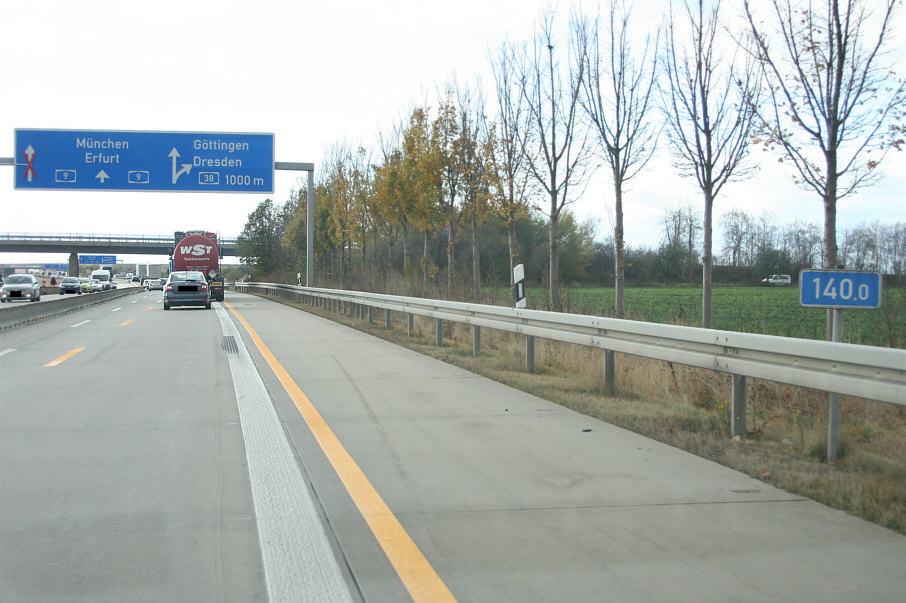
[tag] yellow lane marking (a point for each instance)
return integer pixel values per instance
(123, 324)
(150, 308)
(416, 573)
(64, 357)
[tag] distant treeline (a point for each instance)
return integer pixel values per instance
(272, 245)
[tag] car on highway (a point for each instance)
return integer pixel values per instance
(70, 284)
(187, 288)
(156, 284)
(85, 283)
(136, 279)
(20, 287)
(96, 285)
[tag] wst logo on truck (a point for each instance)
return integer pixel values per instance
(196, 250)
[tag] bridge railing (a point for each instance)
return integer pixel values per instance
(99, 238)
(869, 372)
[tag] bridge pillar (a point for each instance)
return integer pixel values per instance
(73, 265)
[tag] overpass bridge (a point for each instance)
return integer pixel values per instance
(109, 244)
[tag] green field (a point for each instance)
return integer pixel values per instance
(767, 310)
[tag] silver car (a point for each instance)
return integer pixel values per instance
(187, 288)
(20, 287)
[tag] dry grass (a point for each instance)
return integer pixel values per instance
(688, 408)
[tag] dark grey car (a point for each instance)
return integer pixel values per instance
(20, 287)
(70, 284)
(187, 288)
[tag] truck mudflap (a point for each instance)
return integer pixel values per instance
(216, 290)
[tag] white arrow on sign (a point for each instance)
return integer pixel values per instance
(29, 155)
(102, 176)
(186, 167)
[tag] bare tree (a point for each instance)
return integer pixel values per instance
(708, 105)
(737, 229)
(617, 94)
(833, 100)
(447, 138)
(508, 178)
(552, 140)
(472, 160)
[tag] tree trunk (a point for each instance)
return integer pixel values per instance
(405, 248)
(450, 250)
(554, 277)
(514, 254)
(374, 253)
(830, 225)
(476, 259)
(619, 260)
(424, 257)
(707, 283)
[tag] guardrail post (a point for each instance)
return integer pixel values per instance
(439, 327)
(833, 419)
(388, 322)
(476, 340)
(370, 314)
(530, 353)
(410, 325)
(738, 412)
(609, 373)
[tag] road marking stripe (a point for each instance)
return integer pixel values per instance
(7, 351)
(410, 564)
(123, 324)
(116, 309)
(79, 324)
(64, 357)
(299, 563)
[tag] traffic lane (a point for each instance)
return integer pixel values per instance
(510, 498)
(122, 490)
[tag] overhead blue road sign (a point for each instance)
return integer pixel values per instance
(144, 161)
(839, 289)
(97, 259)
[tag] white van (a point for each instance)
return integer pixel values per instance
(104, 277)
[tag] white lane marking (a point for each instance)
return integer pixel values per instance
(299, 563)
(135, 301)
(116, 309)
(79, 324)
(7, 351)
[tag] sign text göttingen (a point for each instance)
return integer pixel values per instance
(144, 161)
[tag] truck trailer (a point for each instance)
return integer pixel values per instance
(198, 250)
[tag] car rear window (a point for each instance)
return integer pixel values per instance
(187, 276)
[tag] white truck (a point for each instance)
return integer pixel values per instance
(777, 280)
(105, 275)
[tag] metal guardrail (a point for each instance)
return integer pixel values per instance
(18, 314)
(868, 372)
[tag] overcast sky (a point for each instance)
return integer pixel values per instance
(314, 73)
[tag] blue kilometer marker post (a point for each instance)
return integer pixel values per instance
(839, 289)
(123, 160)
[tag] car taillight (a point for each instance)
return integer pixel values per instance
(169, 287)
(204, 286)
